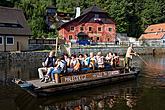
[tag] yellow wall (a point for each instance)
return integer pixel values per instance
(23, 44)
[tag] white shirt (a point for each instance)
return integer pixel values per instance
(129, 52)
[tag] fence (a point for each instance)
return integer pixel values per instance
(45, 41)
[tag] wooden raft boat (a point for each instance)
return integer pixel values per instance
(72, 82)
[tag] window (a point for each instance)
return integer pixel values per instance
(1, 40)
(97, 38)
(2, 25)
(9, 40)
(92, 38)
(71, 28)
(70, 37)
(96, 15)
(14, 25)
(81, 28)
(99, 29)
(10, 25)
(90, 28)
(110, 29)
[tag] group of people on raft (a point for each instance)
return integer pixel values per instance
(74, 64)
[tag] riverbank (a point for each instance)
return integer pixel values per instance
(40, 55)
(22, 56)
(118, 49)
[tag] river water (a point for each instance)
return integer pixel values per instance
(145, 93)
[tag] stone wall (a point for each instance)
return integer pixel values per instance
(118, 50)
(31, 56)
(22, 56)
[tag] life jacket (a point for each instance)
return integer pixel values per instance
(77, 66)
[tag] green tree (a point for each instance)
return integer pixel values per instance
(131, 16)
(34, 11)
(8, 3)
(151, 13)
(117, 10)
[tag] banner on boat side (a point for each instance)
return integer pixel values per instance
(88, 76)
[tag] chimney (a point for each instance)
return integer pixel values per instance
(77, 12)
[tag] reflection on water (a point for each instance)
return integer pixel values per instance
(145, 93)
(100, 98)
(23, 70)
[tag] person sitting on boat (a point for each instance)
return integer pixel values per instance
(47, 76)
(86, 60)
(100, 60)
(92, 60)
(60, 68)
(81, 59)
(109, 57)
(115, 60)
(74, 64)
(130, 52)
(48, 63)
(67, 59)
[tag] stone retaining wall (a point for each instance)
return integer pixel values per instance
(22, 56)
(31, 56)
(118, 50)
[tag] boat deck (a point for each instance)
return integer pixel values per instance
(39, 84)
(69, 80)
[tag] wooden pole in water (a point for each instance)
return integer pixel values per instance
(142, 59)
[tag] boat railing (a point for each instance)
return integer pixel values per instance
(58, 77)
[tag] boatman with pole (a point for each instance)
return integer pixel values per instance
(129, 54)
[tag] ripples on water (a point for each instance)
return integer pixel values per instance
(145, 93)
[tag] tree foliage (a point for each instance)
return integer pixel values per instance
(131, 16)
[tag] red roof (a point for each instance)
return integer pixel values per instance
(152, 36)
(155, 28)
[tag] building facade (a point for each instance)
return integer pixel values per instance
(93, 24)
(14, 31)
(154, 35)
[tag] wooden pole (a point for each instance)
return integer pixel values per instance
(56, 46)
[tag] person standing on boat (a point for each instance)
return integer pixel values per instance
(48, 63)
(129, 54)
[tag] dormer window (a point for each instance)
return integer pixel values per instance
(11, 25)
(96, 17)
